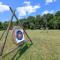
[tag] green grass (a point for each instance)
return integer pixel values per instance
(46, 46)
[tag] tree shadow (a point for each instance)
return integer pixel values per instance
(20, 52)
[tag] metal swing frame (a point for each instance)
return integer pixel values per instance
(20, 24)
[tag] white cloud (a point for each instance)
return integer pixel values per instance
(46, 12)
(27, 9)
(50, 1)
(3, 7)
(27, 2)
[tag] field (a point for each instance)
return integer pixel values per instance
(46, 46)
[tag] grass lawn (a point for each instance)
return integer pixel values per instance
(46, 46)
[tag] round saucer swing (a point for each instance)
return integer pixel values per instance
(18, 37)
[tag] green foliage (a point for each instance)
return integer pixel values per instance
(1, 26)
(50, 21)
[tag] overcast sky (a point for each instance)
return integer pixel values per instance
(27, 7)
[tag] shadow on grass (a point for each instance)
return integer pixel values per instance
(20, 52)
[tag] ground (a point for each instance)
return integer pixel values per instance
(46, 46)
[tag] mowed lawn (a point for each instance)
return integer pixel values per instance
(46, 46)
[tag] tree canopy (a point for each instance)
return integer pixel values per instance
(50, 21)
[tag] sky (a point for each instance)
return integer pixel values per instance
(26, 8)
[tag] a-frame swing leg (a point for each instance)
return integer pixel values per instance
(21, 25)
(1, 54)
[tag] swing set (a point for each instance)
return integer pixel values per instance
(20, 29)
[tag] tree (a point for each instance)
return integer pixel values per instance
(31, 21)
(5, 25)
(38, 22)
(46, 19)
(1, 26)
(57, 14)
